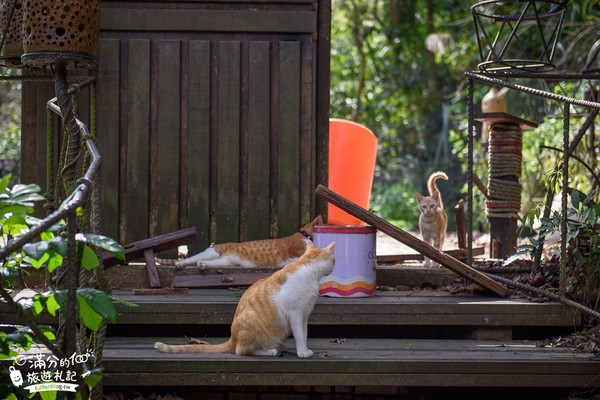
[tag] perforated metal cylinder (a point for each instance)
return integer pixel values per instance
(11, 22)
(61, 31)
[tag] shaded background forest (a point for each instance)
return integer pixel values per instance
(397, 67)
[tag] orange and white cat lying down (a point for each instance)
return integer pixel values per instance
(267, 253)
(272, 308)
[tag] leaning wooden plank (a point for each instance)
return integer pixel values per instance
(411, 241)
(160, 243)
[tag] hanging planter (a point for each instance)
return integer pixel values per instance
(11, 41)
(61, 31)
(518, 34)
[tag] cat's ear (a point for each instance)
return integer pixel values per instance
(419, 197)
(331, 247)
(318, 220)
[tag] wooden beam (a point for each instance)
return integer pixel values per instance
(411, 241)
(461, 232)
(135, 250)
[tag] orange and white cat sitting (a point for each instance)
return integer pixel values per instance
(433, 220)
(267, 253)
(272, 309)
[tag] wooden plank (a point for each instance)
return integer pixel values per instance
(108, 103)
(218, 281)
(322, 101)
(288, 215)
(177, 20)
(199, 142)
(461, 232)
(168, 134)
(228, 142)
(138, 139)
(151, 267)
(400, 308)
(259, 160)
(134, 251)
(385, 362)
(307, 130)
(414, 243)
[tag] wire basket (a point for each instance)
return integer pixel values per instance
(11, 40)
(518, 34)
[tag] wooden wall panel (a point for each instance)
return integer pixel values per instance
(136, 202)
(208, 117)
(198, 140)
(108, 105)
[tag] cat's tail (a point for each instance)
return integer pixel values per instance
(166, 261)
(433, 190)
(203, 347)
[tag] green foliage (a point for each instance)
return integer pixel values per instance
(93, 306)
(398, 204)
(397, 66)
(10, 126)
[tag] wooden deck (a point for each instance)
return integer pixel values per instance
(425, 308)
(356, 362)
(359, 358)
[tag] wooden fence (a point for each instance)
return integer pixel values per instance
(209, 114)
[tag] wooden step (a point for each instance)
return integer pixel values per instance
(354, 362)
(212, 306)
(409, 308)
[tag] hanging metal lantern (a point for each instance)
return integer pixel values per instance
(61, 31)
(11, 40)
(518, 34)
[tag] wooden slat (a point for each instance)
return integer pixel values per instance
(138, 140)
(414, 243)
(307, 131)
(386, 308)
(403, 362)
(177, 20)
(224, 280)
(228, 142)
(289, 138)
(108, 100)
(199, 142)
(168, 134)
(401, 308)
(259, 107)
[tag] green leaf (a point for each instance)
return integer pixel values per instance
(100, 302)
(4, 182)
(54, 261)
(124, 302)
(37, 264)
(102, 242)
(59, 245)
(48, 395)
(9, 273)
(93, 378)
(89, 259)
(88, 315)
(36, 250)
(575, 198)
(52, 304)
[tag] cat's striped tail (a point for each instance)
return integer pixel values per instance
(226, 347)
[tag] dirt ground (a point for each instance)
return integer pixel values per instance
(390, 246)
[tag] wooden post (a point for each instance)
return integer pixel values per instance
(461, 233)
(411, 241)
(504, 189)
